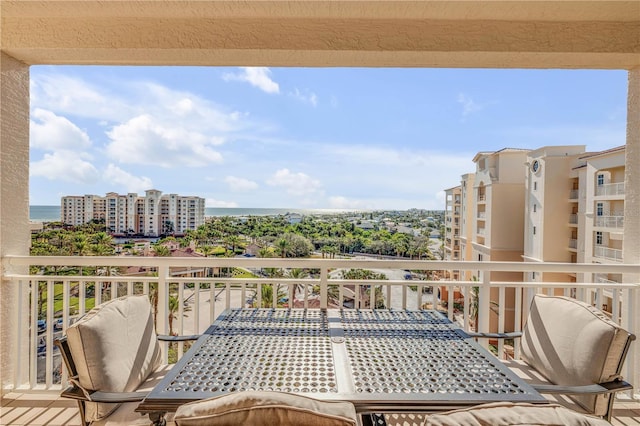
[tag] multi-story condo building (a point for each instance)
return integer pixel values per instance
(452, 227)
(466, 220)
(152, 215)
(552, 204)
(490, 220)
(551, 208)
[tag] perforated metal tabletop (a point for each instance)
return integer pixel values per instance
(378, 359)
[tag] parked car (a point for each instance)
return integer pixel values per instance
(42, 326)
(57, 325)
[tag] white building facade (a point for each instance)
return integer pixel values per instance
(151, 215)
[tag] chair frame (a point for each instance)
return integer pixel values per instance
(82, 395)
(611, 387)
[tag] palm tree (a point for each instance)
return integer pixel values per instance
(162, 251)
(283, 246)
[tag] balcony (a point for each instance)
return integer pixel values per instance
(573, 243)
(573, 219)
(323, 286)
(610, 189)
(609, 221)
(573, 194)
(607, 253)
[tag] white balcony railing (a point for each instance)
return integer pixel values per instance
(573, 194)
(610, 189)
(204, 287)
(480, 231)
(607, 253)
(609, 221)
(573, 243)
(573, 218)
(482, 215)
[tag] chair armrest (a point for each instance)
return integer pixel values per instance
(117, 397)
(166, 338)
(74, 392)
(512, 335)
(607, 387)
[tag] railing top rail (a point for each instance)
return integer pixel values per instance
(13, 260)
(332, 281)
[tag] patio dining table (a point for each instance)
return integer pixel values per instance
(380, 360)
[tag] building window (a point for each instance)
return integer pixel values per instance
(533, 276)
(599, 238)
(534, 230)
(599, 209)
(600, 180)
(535, 186)
(535, 208)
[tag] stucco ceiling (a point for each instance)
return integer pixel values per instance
(497, 34)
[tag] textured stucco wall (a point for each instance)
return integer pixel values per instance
(523, 34)
(14, 197)
(631, 242)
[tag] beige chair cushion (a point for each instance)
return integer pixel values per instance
(114, 348)
(514, 414)
(571, 343)
(265, 409)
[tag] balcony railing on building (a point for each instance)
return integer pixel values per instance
(573, 194)
(607, 253)
(482, 215)
(191, 292)
(609, 221)
(480, 231)
(573, 243)
(610, 189)
(573, 218)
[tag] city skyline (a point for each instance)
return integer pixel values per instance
(335, 138)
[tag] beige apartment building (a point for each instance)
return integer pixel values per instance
(485, 221)
(453, 203)
(152, 215)
(551, 204)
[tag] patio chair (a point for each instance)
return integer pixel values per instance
(112, 356)
(257, 408)
(573, 352)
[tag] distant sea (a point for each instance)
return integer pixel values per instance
(52, 213)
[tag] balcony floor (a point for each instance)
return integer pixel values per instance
(48, 409)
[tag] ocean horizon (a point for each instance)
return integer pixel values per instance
(52, 213)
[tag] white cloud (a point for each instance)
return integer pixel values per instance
(306, 97)
(52, 132)
(468, 105)
(116, 176)
(69, 95)
(210, 202)
(147, 140)
(298, 184)
(259, 77)
(240, 184)
(67, 166)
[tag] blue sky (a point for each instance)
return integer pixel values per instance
(335, 138)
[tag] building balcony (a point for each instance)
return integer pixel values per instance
(573, 243)
(610, 189)
(609, 221)
(194, 282)
(607, 253)
(481, 231)
(573, 219)
(573, 194)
